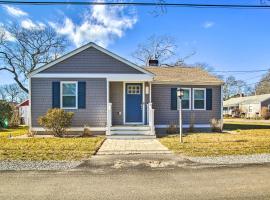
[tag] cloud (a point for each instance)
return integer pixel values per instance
(208, 24)
(7, 35)
(101, 24)
(16, 12)
(29, 24)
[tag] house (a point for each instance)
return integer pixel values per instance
(24, 112)
(249, 106)
(111, 95)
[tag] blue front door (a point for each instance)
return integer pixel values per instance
(134, 103)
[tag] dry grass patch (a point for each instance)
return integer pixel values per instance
(49, 148)
(21, 130)
(248, 139)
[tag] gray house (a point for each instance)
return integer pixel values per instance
(108, 94)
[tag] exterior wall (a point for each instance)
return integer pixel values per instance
(91, 60)
(161, 99)
(24, 114)
(116, 98)
(95, 114)
(256, 109)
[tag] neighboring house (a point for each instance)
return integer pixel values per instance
(249, 106)
(24, 112)
(110, 94)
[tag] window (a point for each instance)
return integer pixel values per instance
(186, 99)
(199, 98)
(268, 107)
(134, 89)
(69, 95)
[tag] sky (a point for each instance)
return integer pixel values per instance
(225, 39)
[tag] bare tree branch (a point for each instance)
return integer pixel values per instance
(161, 48)
(30, 49)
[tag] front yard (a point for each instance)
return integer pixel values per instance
(46, 148)
(248, 138)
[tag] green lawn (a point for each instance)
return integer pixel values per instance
(46, 148)
(249, 139)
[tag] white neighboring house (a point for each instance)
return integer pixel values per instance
(24, 112)
(250, 106)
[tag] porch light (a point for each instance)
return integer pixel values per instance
(180, 92)
(147, 90)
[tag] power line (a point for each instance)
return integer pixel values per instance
(241, 71)
(193, 5)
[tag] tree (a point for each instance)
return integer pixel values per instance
(234, 87)
(12, 93)
(263, 86)
(161, 48)
(28, 50)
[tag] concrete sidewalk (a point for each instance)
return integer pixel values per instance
(142, 146)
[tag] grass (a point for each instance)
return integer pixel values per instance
(21, 130)
(248, 139)
(45, 148)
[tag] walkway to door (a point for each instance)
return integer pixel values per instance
(141, 146)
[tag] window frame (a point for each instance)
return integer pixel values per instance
(134, 92)
(189, 105)
(193, 97)
(61, 94)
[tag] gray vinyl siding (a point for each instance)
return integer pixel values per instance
(91, 60)
(161, 99)
(116, 98)
(96, 101)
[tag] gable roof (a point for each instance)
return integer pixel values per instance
(82, 48)
(246, 100)
(183, 75)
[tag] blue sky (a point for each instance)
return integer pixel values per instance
(226, 39)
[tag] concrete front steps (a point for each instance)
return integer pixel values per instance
(131, 132)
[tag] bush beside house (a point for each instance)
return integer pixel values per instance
(56, 121)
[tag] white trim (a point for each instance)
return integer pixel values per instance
(150, 92)
(61, 95)
(143, 103)
(189, 98)
(204, 89)
(124, 103)
(73, 129)
(110, 77)
(91, 44)
(30, 104)
(184, 126)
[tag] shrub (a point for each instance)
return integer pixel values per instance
(216, 125)
(56, 121)
(15, 118)
(5, 113)
(172, 129)
(265, 113)
(86, 132)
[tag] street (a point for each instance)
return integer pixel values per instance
(239, 182)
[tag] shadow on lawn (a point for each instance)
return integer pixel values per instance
(228, 126)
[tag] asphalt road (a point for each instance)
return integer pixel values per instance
(249, 182)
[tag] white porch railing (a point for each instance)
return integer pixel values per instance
(109, 118)
(151, 118)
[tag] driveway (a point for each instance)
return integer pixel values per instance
(241, 183)
(139, 146)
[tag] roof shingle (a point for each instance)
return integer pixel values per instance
(184, 75)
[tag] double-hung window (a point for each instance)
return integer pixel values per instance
(199, 98)
(186, 99)
(69, 95)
